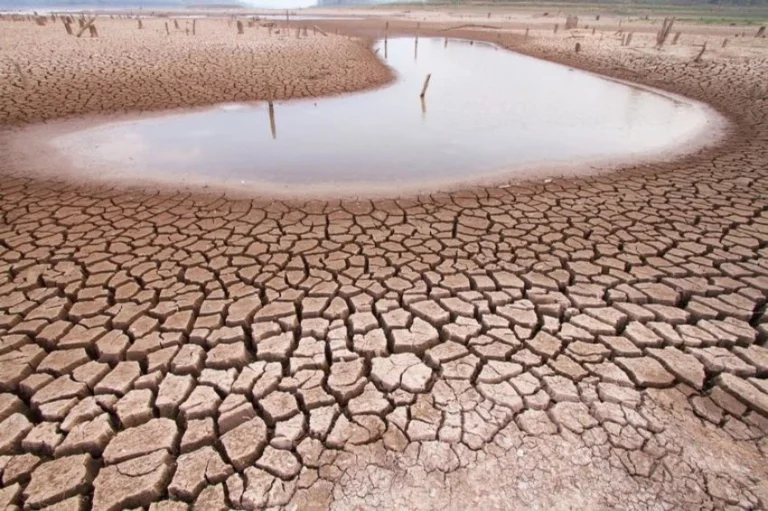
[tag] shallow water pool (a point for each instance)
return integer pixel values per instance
(487, 112)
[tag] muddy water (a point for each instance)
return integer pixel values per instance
(487, 112)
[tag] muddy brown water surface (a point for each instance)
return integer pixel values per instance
(488, 114)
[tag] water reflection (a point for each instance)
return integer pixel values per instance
(488, 110)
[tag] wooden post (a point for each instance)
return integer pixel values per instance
(526, 32)
(760, 31)
(67, 27)
(141, 25)
(577, 49)
(167, 32)
(194, 26)
(239, 27)
(272, 126)
(93, 31)
(703, 49)
(84, 26)
(426, 84)
(725, 43)
(556, 26)
(677, 36)
(663, 33)
(24, 81)
(176, 24)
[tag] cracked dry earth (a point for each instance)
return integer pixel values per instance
(127, 69)
(589, 343)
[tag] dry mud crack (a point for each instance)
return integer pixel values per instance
(587, 343)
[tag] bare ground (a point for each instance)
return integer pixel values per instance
(587, 343)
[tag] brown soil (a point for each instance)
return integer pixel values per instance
(127, 69)
(587, 343)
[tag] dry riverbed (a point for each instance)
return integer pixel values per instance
(581, 343)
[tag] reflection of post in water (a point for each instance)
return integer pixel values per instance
(445, 44)
(423, 107)
(385, 48)
(272, 120)
(416, 49)
(424, 87)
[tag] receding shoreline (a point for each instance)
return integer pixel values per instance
(709, 142)
(34, 151)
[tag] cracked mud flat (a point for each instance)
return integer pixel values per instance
(586, 343)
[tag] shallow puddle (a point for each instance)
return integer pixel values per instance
(487, 112)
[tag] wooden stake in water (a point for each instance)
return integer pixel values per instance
(426, 84)
(272, 126)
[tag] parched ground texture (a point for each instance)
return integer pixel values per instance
(587, 343)
(126, 69)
